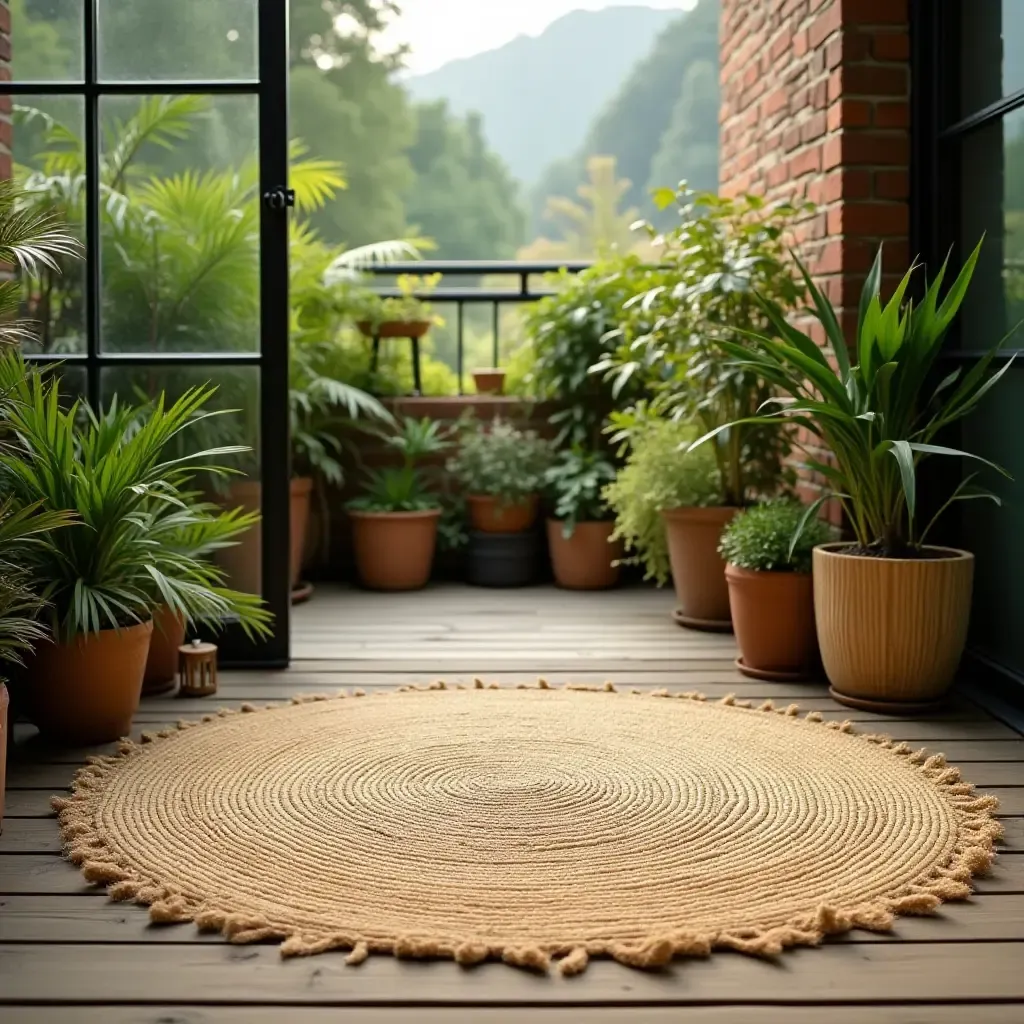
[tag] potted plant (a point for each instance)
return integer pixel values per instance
(103, 576)
(19, 606)
(660, 474)
(395, 521)
(891, 611)
(767, 550)
(501, 471)
(489, 380)
(398, 316)
(724, 255)
(583, 555)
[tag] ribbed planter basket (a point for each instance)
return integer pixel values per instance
(891, 630)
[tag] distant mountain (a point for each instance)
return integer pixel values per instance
(538, 95)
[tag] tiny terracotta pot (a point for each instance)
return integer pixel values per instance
(4, 711)
(87, 690)
(586, 560)
(489, 382)
(394, 550)
(698, 570)
(891, 630)
(301, 491)
(394, 328)
(489, 515)
(162, 663)
(773, 617)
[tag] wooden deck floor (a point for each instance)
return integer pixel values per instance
(66, 954)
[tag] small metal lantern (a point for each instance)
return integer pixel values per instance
(197, 669)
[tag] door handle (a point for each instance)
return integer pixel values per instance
(279, 198)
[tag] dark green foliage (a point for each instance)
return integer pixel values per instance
(575, 485)
(777, 536)
(573, 330)
(879, 409)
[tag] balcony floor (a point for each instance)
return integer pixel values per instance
(66, 954)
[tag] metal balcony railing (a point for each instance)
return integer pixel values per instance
(463, 284)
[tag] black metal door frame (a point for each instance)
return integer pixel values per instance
(271, 360)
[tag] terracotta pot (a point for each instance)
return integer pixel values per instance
(891, 630)
(773, 616)
(4, 705)
(489, 515)
(698, 571)
(87, 690)
(243, 561)
(489, 382)
(301, 491)
(584, 561)
(394, 550)
(394, 328)
(162, 662)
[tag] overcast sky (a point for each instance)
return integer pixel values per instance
(443, 30)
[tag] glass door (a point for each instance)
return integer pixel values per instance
(159, 133)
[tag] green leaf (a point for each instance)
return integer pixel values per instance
(905, 457)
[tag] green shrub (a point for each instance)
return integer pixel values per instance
(499, 460)
(777, 536)
(575, 485)
(658, 475)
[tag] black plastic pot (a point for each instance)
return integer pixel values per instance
(502, 559)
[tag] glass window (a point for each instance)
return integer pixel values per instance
(180, 227)
(49, 165)
(237, 391)
(992, 53)
(47, 38)
(177, 40)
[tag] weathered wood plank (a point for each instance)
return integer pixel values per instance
(93, 918)
(1000, 1013)
(212, 974)
(48, 873)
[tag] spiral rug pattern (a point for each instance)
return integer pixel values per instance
(530, 825)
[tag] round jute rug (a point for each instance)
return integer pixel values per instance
(527, 824)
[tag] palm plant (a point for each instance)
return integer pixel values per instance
(19, 604)
(127, 552)
(33, 239)
(881, 415)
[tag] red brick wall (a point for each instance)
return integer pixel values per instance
(815, 105)
(6, 102)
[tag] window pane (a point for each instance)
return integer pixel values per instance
(992, 174)
(180, 228)
(47, 40)
(992, 170)
(992, 48)
(183, 40)
(49, 164)
(237, 390)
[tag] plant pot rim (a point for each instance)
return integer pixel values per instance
(302, 483)
(489, 370)
(416, 328)
(739, 572)
(497, 497)
(136, 627)
(426, 513)
(834, 549)
(712, 513)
